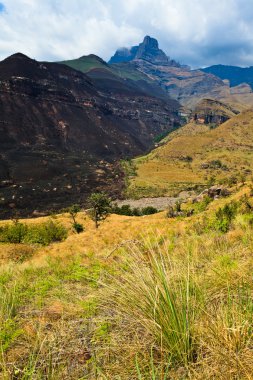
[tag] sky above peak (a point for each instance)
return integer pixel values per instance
(197, 32)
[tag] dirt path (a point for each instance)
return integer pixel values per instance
(160, 203)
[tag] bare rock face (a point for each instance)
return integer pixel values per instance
(214, 192)
(179, 81)
(148, 50)
(62, 133)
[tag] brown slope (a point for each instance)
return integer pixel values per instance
(61, 135)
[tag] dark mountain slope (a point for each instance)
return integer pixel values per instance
(62, 132)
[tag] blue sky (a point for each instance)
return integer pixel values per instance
(194, 32)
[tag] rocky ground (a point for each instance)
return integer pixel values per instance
(160, 203)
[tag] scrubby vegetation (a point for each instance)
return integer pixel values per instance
(128, 302)
(127, 210)
(43, 233)
(195, 155)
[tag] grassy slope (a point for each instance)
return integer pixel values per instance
(60, 321)
(90, 62)
(85, 63)
(166, 170)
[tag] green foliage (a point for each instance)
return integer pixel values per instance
(73, 211)
(100, 205)
(78, 227)
(149, 210)
(225, 215)
(161, 136)
(45, 233)
(126, 210)
(201, 206)
(9, 332)
(13, 233)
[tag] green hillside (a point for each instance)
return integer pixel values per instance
(90, 62)
(86, 63)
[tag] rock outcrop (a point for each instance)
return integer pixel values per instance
(179, 81)
(148, 50)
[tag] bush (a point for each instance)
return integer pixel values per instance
(149, 210)
(73, 211)
(45, 233)
(78, 227)
(13, 233)
(126, 210)
(225, 215)
(201, 206)
(123, 210)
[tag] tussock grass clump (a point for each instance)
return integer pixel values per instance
(163, 299)
(177, 304)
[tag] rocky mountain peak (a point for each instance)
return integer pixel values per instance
(148, 50)
(150, 42)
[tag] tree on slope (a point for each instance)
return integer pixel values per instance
(100, 207)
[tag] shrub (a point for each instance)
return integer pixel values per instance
(13, 233)
(136, 212)
(225, 215)
(78, 227)
(123, 210)
(149, 210)
(73, 211)
(126, 210)
(201, 206)
(45, 233)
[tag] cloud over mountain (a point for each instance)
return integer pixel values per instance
(198, 32)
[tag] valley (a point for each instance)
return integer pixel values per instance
(126, 202)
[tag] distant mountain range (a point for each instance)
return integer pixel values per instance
(148, 62)
(236, 75)
(65, 125)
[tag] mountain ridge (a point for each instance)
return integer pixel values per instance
(62, 135)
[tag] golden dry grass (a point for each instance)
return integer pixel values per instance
(78, 309)
(166, 169)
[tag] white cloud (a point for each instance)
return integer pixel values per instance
(198, 32)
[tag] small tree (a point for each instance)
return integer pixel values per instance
(73, 210)
(100, 205)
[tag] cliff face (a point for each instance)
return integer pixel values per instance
(179, 81)
(62, 133)
(148, 50)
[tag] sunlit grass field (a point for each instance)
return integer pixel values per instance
(139, 298)
(194, 156)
